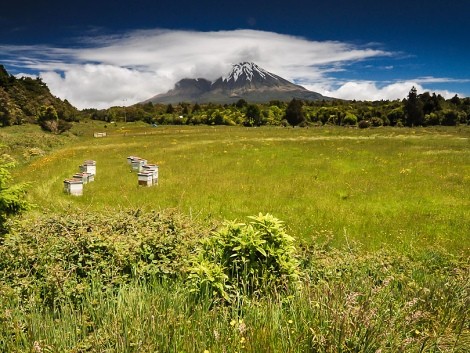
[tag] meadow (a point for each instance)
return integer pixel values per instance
(380, 220)
(403, 187)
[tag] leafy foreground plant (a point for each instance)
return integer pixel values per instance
(52, 260)
(245, 260)
(12, 200)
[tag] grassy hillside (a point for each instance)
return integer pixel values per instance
(402, 187)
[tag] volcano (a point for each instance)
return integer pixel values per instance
(245, 81)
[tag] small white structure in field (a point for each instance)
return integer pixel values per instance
(99, 134)
(84, 177)
(138, 163)
(145, 178)
(88, 167)
(73, 187)
(153, 168)
(130, 159)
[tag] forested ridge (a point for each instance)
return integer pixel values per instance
(25, 100)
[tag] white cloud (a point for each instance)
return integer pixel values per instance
(103, 71)
(102, 85)
(112, 70)
(370, 90)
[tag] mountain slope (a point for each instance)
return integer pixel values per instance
(246, 81)
(22, 98)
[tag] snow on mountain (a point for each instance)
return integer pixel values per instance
(246, 69)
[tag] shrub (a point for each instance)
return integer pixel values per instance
(54, 259)
(363, 124)
(449, 118)
(376, 122)
(12, 197)
(349, 119)
(431, 119)
(245, 260)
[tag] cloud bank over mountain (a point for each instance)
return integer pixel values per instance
(122, 69)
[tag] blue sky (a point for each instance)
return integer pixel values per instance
(104, 53)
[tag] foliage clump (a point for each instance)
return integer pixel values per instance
(49, 120)
(246, 260)
(52, 260)
(12, 200)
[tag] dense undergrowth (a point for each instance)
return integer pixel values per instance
(126, 282)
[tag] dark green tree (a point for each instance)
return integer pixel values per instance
(414, 114)
(10, 113)
(455, 100)
(169, 109)
(294, 112)
(241, 103)
(253, 115)
(196, 108)
(396, 115)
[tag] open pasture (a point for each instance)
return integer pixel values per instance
(406, 188)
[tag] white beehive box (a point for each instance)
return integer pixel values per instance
(84, 177)
(153, 168)
(88, 167)
(138, 163)
(145, 178)
(73, 187)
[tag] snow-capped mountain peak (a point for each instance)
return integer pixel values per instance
(246, 81)
(247, 70)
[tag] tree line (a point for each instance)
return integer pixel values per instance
(28, 100)
(424, 109)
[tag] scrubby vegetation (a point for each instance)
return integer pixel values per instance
(12, 196)
(51, 260)
(91, 283)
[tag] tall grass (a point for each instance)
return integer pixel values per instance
(406, 187)
(355, 305)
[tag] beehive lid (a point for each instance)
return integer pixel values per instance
(73, 181)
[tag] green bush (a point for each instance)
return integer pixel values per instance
(376, 122)
(52, 260)
(349, 119)
(246, 260)
(12, 197)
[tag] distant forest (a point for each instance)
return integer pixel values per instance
(27, 100)
(415, 110)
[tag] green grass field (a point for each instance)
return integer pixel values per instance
(403, 187)
(384, 214)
